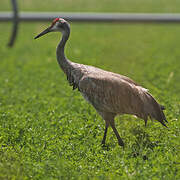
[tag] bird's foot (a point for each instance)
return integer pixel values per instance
(121, 143)
(103, 143)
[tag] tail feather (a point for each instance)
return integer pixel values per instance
(155, 110)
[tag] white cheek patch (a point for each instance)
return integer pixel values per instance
(55, 28)
(62, 20)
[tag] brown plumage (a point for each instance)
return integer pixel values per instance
(109, 93)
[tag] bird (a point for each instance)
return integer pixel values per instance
(111, 94)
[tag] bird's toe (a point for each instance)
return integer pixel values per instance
(121, 143)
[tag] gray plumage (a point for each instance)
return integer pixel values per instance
(109, 93)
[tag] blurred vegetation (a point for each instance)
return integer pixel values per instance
(148, 6)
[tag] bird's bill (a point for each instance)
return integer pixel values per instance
(43, 33)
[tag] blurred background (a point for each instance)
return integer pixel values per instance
(149, 6)
(146, 52)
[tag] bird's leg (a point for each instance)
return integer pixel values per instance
(120, 141)
(145, 120)
(105, 132)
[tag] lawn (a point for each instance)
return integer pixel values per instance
(48, 131)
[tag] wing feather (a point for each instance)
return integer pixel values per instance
(111, 94)
(119, 95)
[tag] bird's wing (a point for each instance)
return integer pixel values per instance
(113, 94)
(124, 78)
(111, 74)
(116, 95)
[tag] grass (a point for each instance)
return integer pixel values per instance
(48, 131)
(148, 6)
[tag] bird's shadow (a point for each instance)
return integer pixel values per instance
(143, 145)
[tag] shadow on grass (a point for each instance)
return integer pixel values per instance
(143, 146)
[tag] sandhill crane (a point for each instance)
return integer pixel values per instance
(109, 93)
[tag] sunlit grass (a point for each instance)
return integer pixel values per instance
(48, 131)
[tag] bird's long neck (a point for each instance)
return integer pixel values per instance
(61, 58)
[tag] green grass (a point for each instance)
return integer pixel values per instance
(48, 131)
(148, 6)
